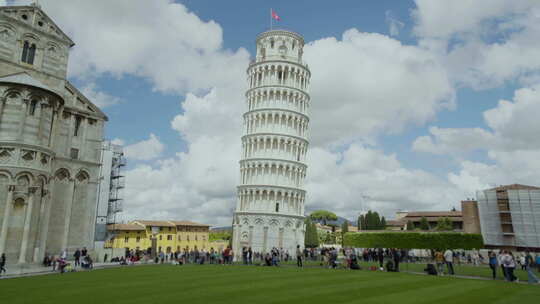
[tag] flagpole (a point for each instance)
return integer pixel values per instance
(271, 18)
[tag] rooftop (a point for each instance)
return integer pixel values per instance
(515, 187)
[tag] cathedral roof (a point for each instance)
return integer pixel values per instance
(25, 79)
(49, 26)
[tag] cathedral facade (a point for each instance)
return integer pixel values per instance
(50, 142)
(270, 206)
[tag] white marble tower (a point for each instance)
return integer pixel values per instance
(270, 208)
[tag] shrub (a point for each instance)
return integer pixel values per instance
(414, 240)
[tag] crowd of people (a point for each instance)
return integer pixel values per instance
(440, 262)
(60, 263)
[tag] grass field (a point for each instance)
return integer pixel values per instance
(239, 284)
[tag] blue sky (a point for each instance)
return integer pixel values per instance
(406, 97)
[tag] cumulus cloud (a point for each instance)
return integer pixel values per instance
(99, 98)
(394, 25)
(174, 48)
(483, 43)
(513, 125)
(148, 149)
(360, 178)
(367, 84)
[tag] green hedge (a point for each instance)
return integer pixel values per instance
(414, 240)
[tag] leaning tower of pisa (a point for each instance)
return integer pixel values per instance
(270, 207)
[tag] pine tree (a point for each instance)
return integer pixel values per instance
(424, 225)
(376, 221)
(383, 223)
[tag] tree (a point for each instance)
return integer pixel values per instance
(323, 216)
(311, 239)
(344, 229)
(362, 222)
(383, 223)
(410, 226)
(424, 225)
(444, 224)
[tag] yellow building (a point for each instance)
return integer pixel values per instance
(169, 236)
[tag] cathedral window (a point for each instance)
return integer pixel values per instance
(74, 153)
(272, 43)
(32, 109)
(277, 207)
(78, 120)
(29, 52)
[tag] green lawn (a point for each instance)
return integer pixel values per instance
(240, 284)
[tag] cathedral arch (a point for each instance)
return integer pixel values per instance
(62, 174)
(24, 179)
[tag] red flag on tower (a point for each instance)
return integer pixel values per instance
(275, 16)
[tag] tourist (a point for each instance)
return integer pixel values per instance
(396, 256)
(449, 259)
(380, 256)
(250, 256)
(500, 260)
(532, 278)
(439, 260)
(538, 262)
(244, 255)
(509, 266)
(84, 252)
(77, 256)
(63, 254)
(298, 256)
(2, 263)
(522, 262)
(493, 263)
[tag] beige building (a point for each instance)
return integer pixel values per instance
(50, 141)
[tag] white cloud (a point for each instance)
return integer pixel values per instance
(118, 141)
(513, 125)
(145, 150)
(99, 98)
(483, 43)
(369, 84)
(338, 181)
(173, 48)
(394, 25)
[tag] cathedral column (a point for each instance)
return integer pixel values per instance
(42, 111)
(68, 199)
(82, 145)
(27, 222)
(41, 240)
(2, 104)
(22, 124)
(5, 222)
(71, 122)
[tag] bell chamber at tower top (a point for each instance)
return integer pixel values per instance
(280, 45)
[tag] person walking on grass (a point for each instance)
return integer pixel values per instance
(493, 263)
(532, 278)
(449, 258)
(299, 256)
(509, 265)
(77, 256)
(2, 263)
